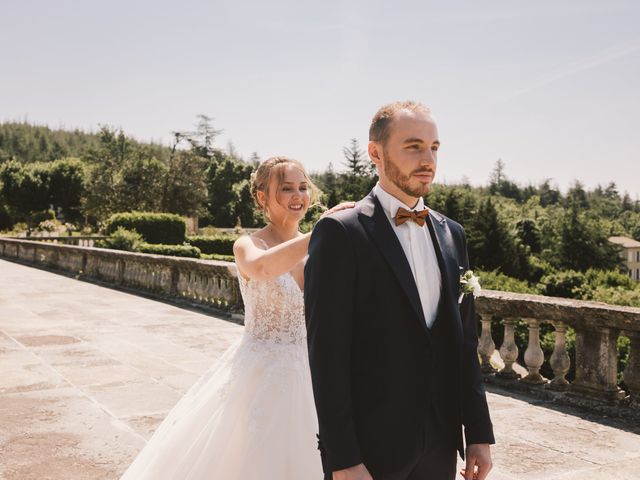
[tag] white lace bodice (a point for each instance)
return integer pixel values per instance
(274, 310)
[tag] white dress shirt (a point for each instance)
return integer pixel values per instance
(419, 250)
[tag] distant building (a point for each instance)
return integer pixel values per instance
(630, 253)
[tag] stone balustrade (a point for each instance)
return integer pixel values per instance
(78, 240)
(596, 325)
(206, 282)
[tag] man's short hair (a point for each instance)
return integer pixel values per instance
(379, 129)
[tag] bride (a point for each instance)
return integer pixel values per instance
(252, 414)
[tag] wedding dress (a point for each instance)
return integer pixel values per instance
(251, 415)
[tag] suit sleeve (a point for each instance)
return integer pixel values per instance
(475, 411)
(329, 293)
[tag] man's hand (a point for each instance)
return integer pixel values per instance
(478, 462)
(357, 472)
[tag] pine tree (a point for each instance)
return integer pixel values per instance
(492, 246)
(354, 159)
(583, 244)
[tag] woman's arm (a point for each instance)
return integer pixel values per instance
(259, 264)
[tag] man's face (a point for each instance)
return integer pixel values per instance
(407, 162)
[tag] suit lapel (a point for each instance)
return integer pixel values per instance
(443, 243)
(377, 225)
(449, 267)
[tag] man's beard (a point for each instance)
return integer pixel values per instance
(402, 181)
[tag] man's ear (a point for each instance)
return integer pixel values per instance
(375, 152)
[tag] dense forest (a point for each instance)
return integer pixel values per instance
(527, 238)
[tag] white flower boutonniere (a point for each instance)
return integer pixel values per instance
(469, 284)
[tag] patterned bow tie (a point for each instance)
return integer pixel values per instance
(403, 216)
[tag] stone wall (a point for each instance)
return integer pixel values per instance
(206, 282)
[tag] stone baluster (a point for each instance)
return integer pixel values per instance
(559, 361)
(509, 350)
(632, 370)
(192, 285)
(533, 355)
(486, 347)
(596, 363)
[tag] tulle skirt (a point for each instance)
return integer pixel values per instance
(250, 416)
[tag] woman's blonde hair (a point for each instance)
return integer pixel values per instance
(261, 178)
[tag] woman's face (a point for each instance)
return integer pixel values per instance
(288, 200)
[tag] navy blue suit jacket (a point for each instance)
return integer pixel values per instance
(376, 367)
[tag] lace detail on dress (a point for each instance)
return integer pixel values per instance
(275, 329)
(274, 310)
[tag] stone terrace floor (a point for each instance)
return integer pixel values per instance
(88, 372)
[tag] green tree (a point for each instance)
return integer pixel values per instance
(245, 210)
(67, 179)
(577, 195)
(222, 199)
(25, 189)
(492, 246)
(549, 195)
(499, 184)
(201, 139)
(354, 159)
(327, 182)
(185, 188)
(140, 184)
(529, 234)
(29, 143)
(105, 163)
(582, 244)
(456, 202)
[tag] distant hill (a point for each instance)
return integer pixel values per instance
(29, 143)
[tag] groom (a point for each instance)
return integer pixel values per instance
(392, 352)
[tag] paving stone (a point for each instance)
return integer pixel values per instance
(21, 371)
(61, 434)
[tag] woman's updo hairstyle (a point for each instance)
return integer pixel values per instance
(261, 178)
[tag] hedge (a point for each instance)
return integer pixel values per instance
(158, 228)
(220, 244)
(217, 256)
(171, 250)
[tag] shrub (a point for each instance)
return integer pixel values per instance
(623, 347)
(615, 296)
(499, 281)
(159, 228)
(609, 278)
(39, 217)
(216, 256)
(170, 250)
(219, 244)
(566, 283)
(122, 239)
(48, 226)
(539, 268)
(208, 231)
(311, 217)
(18, 229)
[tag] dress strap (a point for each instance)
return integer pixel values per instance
(264, 244)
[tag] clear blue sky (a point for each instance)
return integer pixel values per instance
(551, 86)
